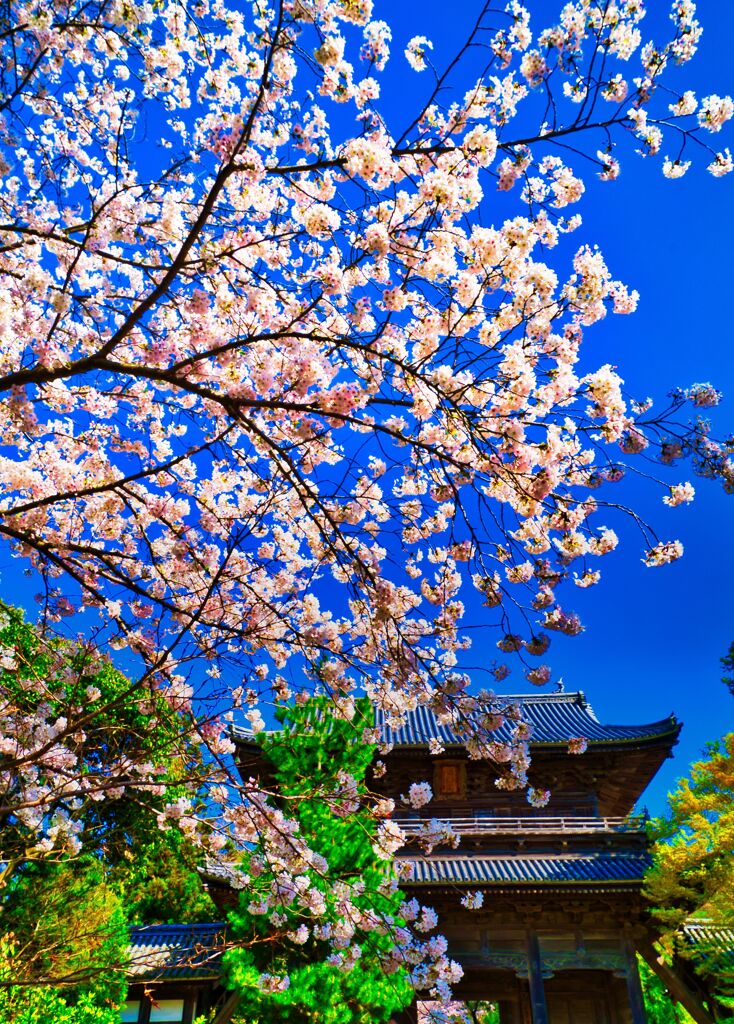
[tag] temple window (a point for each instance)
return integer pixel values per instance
(130, 1012)
(449, 778)
(167, 1011)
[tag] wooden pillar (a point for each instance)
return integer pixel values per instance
(535, 980)
(634, 987)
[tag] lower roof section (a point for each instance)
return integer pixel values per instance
(570, 869)
(184, 951)
(710, 942)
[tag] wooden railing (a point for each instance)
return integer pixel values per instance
(481, 826)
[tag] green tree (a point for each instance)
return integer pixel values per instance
(89, 759)
(43, 1004)
(82, 855)
(79, 940)
(160, 880)
(659, 1007)
(319, 764)
(83, 748)
(727, 663)
(693, 869)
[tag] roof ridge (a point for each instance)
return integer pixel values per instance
(182, 928)
(590, 854)
(562, 696)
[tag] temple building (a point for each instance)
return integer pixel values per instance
(173, 976)
(562, 917)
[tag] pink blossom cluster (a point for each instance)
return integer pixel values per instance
(538, 797)
(663, 553)
(680, 494)
(577, 745)
(419, 794)
(415, 52)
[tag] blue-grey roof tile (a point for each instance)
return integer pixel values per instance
(510, 870)
(163, 951)
(712, 942)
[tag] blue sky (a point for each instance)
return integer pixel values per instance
(653, 637)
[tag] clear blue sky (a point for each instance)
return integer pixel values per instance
(653, 636)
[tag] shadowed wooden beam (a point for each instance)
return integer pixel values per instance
(535, 980)
(224, 1014)
(677, 987)
(634, 987)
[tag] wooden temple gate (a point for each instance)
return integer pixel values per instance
(556, 938)
(563, 916)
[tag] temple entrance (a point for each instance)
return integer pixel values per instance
(501, 997)
(587, 997)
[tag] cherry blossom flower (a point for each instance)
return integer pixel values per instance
(419, 794)
(538, 797)
(687, 104)
(675, 168)
(270, 407)
(722, 164)
(577, 745)
(714, 112)
(705, 396)
(679, 494)
(415, 52)
(539, 676)
(663, 553)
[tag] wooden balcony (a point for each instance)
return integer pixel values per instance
(527, 826)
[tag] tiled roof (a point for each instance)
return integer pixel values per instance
(599, 868)
(555, 718)
(163, 951)
(711, 942)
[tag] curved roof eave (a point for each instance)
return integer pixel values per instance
(555, 719)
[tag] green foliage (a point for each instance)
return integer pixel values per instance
(693, 867)
(485, 1013)
(160, 882)
(727, 663)
(108, 720)
(307, 754)
(659, 1007)
(65, 922)
(64, 917)
(693, 870)
(43, 1005)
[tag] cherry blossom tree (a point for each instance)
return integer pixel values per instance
(282, 384)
